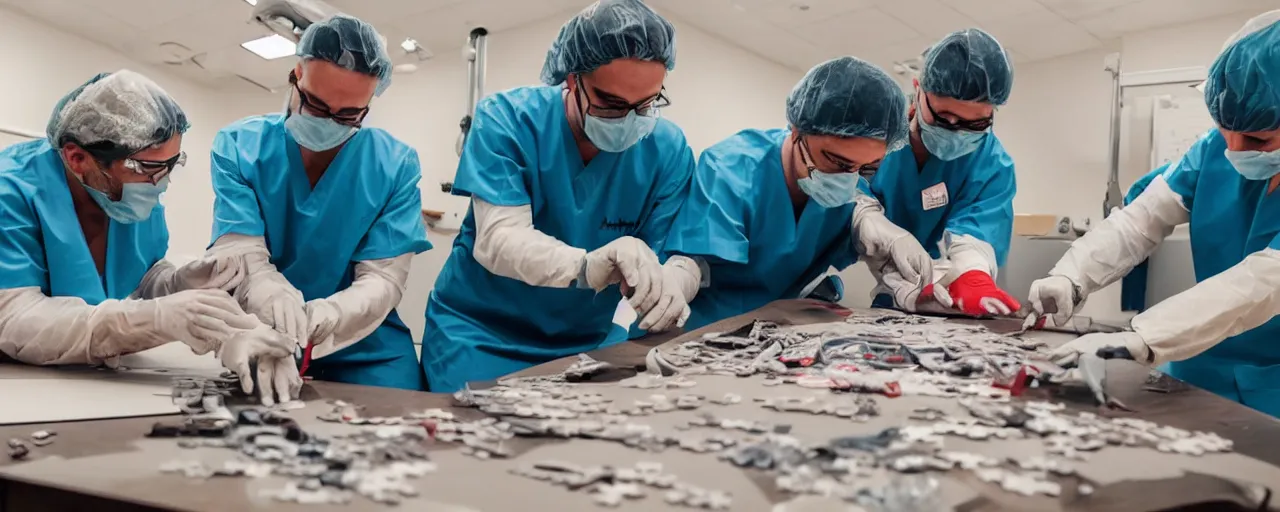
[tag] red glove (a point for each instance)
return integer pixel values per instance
(976, 294)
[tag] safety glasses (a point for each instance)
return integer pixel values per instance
(974, 125)
(866, 170)
(313, 106)
(155, 170)
(645, 108)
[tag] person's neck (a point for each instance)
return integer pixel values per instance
(572, 115)
(316, 162)
(790, 173)
(917, 145)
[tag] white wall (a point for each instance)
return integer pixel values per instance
(44, 64)
(716, 90)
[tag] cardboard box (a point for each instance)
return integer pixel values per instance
(1044, 226)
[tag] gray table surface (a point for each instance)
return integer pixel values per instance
(111, 460)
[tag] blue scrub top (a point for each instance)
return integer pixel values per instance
(42, 243)
(740, 219)
(521, 151)
(366, 206)
(1231, 218)
(971, 195)
(1133, 287)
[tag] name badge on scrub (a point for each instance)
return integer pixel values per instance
(934, 197)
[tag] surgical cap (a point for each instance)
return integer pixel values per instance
(1243, 88)
(606, 31)
(847, 97)
(351, 44)
(968, 65)
(118, 114)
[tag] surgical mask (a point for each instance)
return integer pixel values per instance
(830, 190)
(317, 133)
(1255, 165)
(616, 135)
(137, 200)
(947, 144)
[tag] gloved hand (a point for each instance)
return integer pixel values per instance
(277, 372)
(322, 320)
(203, 319)
(1067, 354)
(1059, 293)
(672, 308)
(976, 294)
(630, 260)
(879, 239)
(223, 273)
(283, 310)
(908, 295)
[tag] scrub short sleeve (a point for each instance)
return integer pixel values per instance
(399, 228)
(235, 204)
(712, 223)
(984, 206)
(1142, 183)
(22, 262)
(1183, 175)
(494, 159)
(672, 194)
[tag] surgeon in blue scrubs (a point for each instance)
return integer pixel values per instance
(326, 213)
(83, 234)
(771, 210)
(573, 187)
(1220, 334)
(954, 182)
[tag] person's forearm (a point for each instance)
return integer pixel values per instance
(966, 254)
(374, 292)
(37, 329)
(1122, 241)
(508, 245)
(1239, 299)
(159, 281)
(258, 266)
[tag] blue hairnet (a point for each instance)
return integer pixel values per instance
(847, 97)
(351, 44)
(1243, 89)
(968, 65)
(606, 31)
(119, 113)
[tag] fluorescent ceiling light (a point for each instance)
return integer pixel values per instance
(271, 47)
(409, 45)
(251, 2)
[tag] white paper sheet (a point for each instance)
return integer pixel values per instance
(52, 400)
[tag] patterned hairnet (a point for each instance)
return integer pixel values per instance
(847, 97)
(351, 44)
(968, 65)
(606, 31)
(123, 108)
(1243, 89)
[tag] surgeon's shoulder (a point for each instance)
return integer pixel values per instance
(743, 153)
(22, 167)
(386, 147)
(253, 128)
(521, 104)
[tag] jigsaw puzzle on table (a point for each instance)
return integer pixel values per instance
(843, 370)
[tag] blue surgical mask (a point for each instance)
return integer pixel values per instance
(137, 200)
(616, 135)
(1255, 165)
(830, 190)
(947, 144)
(317, 133)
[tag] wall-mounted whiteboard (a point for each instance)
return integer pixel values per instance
(1177, 122)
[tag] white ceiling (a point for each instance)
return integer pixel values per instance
(795, 33)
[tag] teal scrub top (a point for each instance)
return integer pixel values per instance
(43, 245)
(521, 151)
(366, 206)
(740, 218)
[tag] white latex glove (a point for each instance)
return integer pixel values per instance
(906, 294)
(277, 372)
(1067, 354)
(880, 240)
(203, 319)
(1056, 289)
(680, 279)
(626, 260)
(285, 313)
(322, 321)
(213, 273)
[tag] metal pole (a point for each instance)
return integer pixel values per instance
(477, 47)
(1114, 199)
(21, 133)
